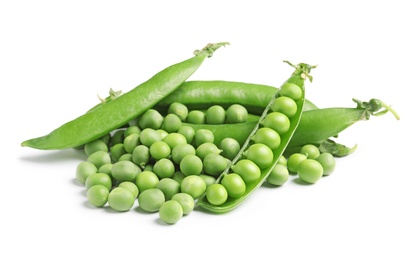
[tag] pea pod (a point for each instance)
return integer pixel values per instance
(117, 112)
(297, 79)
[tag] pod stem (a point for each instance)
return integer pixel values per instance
(210, 48)
(302, 69)
(375, 107)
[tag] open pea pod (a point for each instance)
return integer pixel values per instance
(296, 80)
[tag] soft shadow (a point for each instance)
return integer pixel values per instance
(300, 182)
(55, 156)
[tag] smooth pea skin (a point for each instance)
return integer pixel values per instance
(294, 161)
(327, 161)
(164, 168)
(83, 170)
(214, 164)
(99, 158)
(171, 123)
(234, 185)
(98, 179)
(260, 154)
(277, 121)
(310, 150)
(291, 90)
(279, 175)
(94, 146)
(196, 117)
(204, 149)
(284, 105)
(194, 186)
(248, 170)
(121, 199)
(159, 150)
(310, 171)
(215, 115)
(236, 113)
(98, 195)
(216, 194)
(180, 151)
(146, 180)
(179, 110)
(170, 212)
(191, 165)
(151, 200)
(203, 136)
(188, 132)
(186, 201)
(268, 137)
(125, 171)
(230, 148)
(169, 187)
(151, 119)
(131, 187)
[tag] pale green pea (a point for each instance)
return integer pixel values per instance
(146, 180)
(121, 199)
(99, 158)
(131, 141)
(171, 123)
(188, 132)
(169, 187)
(94, 146)
(125, 171)
(170, 212)
(83, 170)
(151, 200)
(98, 195)
(186, 201)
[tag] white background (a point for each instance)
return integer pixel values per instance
(56, 56)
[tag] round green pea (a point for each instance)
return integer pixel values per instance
(208, 179)
(248, 170)
(203, 136)
(151, 200)
(169, 187)
(117, 151)
(214, 164)
(230, 148)
(174, 139)
(236, 113)
(180, 151)
(261, 155)
(282, 160)
(234, 185)
(170, 212)
(132, 129)
(99, 158)
(310, 171)
(164, 168)
(216, 194)
(284, 105)
(98, 179)
(141, 155)
(83, 170)
(171, 123)
(121, 199)
(278, 175)
(204, 149)
(126, 157)
(291, 90)
(131, 141)
(125, 171)
(310, 150)
(186, 201)
(196, 117)
(178, 176)
(194, 186)
(215, 115)
(151, 119)
(146, 180)
(191, 165)
(149, 136)
(159, 150)
(327, 161)
(277, 121)
(131, 187)
(94, 146)
(188, 132)
(97, 195)
(162, 133)
(268, 137)
(294, 161)
(178, 109)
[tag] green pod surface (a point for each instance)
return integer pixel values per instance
(298, 77)
(113, 114)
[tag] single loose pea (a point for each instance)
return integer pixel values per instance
(216, 194)
(277, 121)
(151, 200)
(174, 139)
(203, 136)
(125, 171)
(149, 136)
(236, 113)
(151, 119)
(99, 158)
(170, 212)
(141, 155)
(98, 179)
(291, 90)
(310, 170)
(294, 161)
(188, 132)
(159, 150)
(191, 165)
(196, 117)
(205, 149)
(98, 195)
(146, 180)
(180, 151)
(260, 154)
(284, 105)
(171, 123)
(164, 168)
(310, 150)
(131, 141)
(193, 185)
(234, 185)
(230, 148)
(278, 175)
(186, 202)
(121, 199)
(94, 146)
(215, 115)
(169, 187)
(178, 109)
(117, 151)
(83, 170)
(268, 137)
(131, 187)
(248, 170)
(327, 161)
(214, 164)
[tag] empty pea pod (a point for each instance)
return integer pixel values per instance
(111, 115)
(297, 80)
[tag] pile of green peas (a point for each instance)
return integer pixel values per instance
(158, 161)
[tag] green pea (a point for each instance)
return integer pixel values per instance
(191, 165)
(146, 180)
(207, 179)
(171, 123)
(159, 150)
(291, 90)
(327, 161)
(193, 185)
(278, 175)
(117, 137)
(196, 117)
(151, 119)
(205, 149)
(148, 167)
(121, 199)
(188, 132)
(282, 160)
(170, 212)
(99, 158)
(234, 185)
(294, 161)
(126, 157)
(151, 200)
(94, 146)
(277, 121)
(164, 168)
(132, 129)
(236, 113)
(83, 170)
(169, 187)
(203, 136)
(117, 151)
(310, 150)
(180, 151)
(131, 187)
(124, 171)
(310, 171)
(260, 154)
(131, 141)
(106, 138)
(215, 115)
(141, 155)
(178, 109)
(149, 136)
(248, 170)
(162, 133)
(106, 168)
(230, 148)
(98, 179)
(186, 201)
(98, 195)
(174, 139)
(214, 164)
(268, 137)
(216, 194)
(178, 176)
(284, 105)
